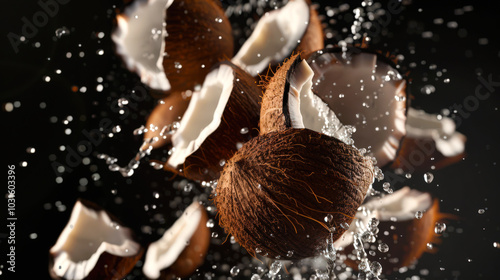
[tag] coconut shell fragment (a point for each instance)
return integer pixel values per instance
(172, 45)
(284, 191)
(93, 245)
(220, 117)
(182, 248)
(407, 220)
(293, 28)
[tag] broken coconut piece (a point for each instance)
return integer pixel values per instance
(365, 91)
(289, 102)
(273, 195)
(163, 118)
(408, 215)
(93, 245)
(170, 44)
(219, 119)
(295, 26)
(182, 248)
(431, 140)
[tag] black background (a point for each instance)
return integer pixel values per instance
(43, 205)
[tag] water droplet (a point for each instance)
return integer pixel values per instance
(215, 235)
(62, 32)
(177, 65)
(188, 187)
(30, 150)
(439, 228)
(376, 268)
(429, 246)
(275, 268)
(368, 236)
(446, 81)
(244, 130)
(428, 89)
(419, 214)
(210, 223)
(382, 247)
(496, 244)
(481, 211)
(234, 271)
(373, 223)
(289, 254)
(428, 177)
(328, 218)
(222, 162)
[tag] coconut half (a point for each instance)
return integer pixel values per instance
(182, 248)
(170, 44)
(431, 140)
(400, 227)
(219, 119)
(93, 246)
(289, 102)
(277, 34)
(366, 92)
(139, 40)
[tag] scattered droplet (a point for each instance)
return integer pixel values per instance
(234, 271)
(382, 247)
(210, 223)
(439, 228)
(419, 214)
(376, 268)
(481, 211)
(428, 177)
(275, 268)
(62, 31)
(428, 89)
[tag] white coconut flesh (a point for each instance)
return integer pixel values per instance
(203, 115)
(365, 93)
(140, 40)
(165, 251)
(307, 110)
(88, 234)
(400, 205)
(421, 125)
(275, 36)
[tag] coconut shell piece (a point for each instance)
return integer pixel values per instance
(172, 45)
(430, 141)
(93, 245)
(409, 235)
(275, 192)
(295, 27)
(220, 117)
(182, 248)
(168, 111)
(366, 91)
(289, 102)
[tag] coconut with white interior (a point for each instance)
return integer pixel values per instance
(93, 245)
(182, 248)
(431, 141)
(366, 91)
(406, 224)
(289, 102)
(294, 27)
(170, 44)
(221, 116)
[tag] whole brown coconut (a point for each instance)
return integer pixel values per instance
(283, 192)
